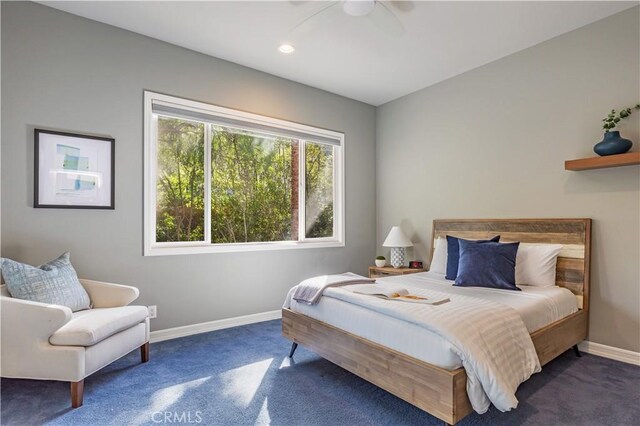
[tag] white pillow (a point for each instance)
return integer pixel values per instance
(439, 261)
(536, 264)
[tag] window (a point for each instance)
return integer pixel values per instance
(220, 180)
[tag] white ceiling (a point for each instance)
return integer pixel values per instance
(350, 56)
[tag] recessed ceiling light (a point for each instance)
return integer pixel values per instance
(286, 48)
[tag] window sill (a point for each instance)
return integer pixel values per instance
(187, 248)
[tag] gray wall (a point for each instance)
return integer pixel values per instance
(64, 72)
(491, 143)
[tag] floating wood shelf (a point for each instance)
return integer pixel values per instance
(628, 159)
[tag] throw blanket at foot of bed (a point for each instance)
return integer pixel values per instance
(490, 338)
(310, 290)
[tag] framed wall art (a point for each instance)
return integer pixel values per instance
(73, 171)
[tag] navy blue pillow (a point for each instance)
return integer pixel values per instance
(490, 265)
(453, 254)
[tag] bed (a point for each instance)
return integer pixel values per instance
(415, 365)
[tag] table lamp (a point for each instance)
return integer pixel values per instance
(397, 240)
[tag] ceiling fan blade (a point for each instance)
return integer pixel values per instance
(401, 5)
(384, 18)
(307, 19)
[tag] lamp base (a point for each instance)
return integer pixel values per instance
(397, 257)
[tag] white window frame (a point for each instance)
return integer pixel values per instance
(154, 248)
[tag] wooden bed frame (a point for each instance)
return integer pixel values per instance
(435, 390)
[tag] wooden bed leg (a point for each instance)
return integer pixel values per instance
(576, 351)
(77, 392)
(144, 352)
(294, 346)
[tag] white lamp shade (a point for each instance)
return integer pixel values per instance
(397, 238)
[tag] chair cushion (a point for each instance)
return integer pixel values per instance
(87, 328)
(54, 282)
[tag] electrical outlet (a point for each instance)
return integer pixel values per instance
(153, 311)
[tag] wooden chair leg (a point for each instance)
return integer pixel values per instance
(77, 392)
(144, 352)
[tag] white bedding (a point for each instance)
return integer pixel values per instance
(537, 306)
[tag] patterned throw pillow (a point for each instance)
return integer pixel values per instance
(54, 282)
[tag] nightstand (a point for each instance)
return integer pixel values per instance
(388, 271)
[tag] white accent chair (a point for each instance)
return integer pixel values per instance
(49, 342)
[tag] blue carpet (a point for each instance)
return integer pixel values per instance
(241, 376)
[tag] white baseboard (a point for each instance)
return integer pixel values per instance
(592, 348)
(610, 352)
(204, 327)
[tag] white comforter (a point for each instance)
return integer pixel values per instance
(490, 338)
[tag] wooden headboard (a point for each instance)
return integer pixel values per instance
(572, 271)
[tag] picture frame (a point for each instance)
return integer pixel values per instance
(73, 171)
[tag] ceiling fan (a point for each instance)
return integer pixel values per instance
(380, 12)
